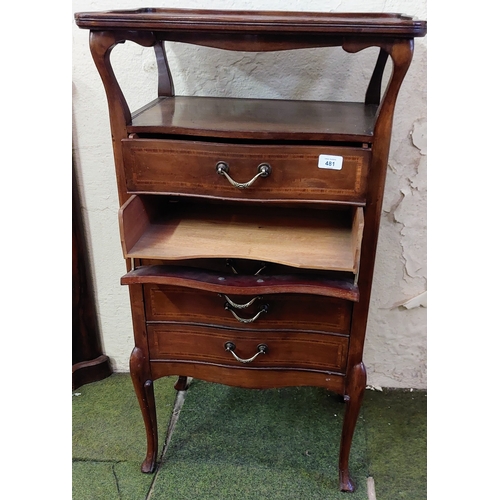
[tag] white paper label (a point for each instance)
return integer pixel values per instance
(330, 162)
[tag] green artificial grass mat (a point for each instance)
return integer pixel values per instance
(109, 480)
(94, 481)
(239, 443)
(232, 443)
(109, 439)
(396, 429)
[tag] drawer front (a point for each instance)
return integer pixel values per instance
(191, 343)
(182, 167)
(273, 311)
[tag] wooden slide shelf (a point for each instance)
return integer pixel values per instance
(328, 240)
(242, 284)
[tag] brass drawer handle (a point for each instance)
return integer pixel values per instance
(261, 349)
(240, 306)
(263, 170)
(264, 308)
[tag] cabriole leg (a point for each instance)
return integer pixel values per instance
(143, 386)
(356, 384)
(181, 384)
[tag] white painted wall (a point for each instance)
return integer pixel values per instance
(395, 352)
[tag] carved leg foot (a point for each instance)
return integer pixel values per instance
(346, 483)
(181, 384)
(356, 384)
(143, 386)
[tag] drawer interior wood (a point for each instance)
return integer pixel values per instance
(309, 238)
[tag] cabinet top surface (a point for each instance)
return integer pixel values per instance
(159, 19)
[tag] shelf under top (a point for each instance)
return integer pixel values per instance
(261, 119)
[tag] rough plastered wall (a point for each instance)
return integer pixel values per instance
(395, 353)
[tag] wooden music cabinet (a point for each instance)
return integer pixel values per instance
(249, 226)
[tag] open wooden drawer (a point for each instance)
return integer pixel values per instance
(154, 227)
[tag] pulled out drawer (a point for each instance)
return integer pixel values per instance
(152, 227)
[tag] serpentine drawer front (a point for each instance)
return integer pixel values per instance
(287, 192)
(292, 350)
(287, 172)
(266, 311)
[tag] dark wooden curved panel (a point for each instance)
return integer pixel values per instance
(89, 362)
(250, 378)
(241, 284)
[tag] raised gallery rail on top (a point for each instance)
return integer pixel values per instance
(332, 23)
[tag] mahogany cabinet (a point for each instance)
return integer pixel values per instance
(249, 226)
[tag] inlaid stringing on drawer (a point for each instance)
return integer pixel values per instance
(285, 311)
(170, 166)
(313, 351)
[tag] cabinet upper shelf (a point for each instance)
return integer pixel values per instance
(336, 23)
(262, 119)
